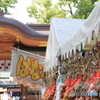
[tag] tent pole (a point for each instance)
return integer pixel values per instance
(59, 59)
(59, 65)
(39, 94)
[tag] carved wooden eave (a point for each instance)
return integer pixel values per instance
(22, 32)
(13, 31)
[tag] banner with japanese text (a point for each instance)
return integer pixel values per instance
(27, 66)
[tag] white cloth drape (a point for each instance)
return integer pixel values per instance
(58, 90)
(67, 34)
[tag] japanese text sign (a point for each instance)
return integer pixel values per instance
(27, 66)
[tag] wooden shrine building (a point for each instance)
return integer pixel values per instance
(32, 38)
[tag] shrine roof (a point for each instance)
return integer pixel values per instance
(24, 29)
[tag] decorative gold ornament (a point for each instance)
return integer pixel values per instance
(2, 31)
(43, 43)
(17, 38)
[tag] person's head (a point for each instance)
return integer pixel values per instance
(5, 90)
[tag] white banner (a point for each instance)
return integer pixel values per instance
(27, 66)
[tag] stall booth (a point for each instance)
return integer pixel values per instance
(72, 58)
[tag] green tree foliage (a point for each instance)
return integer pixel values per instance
(5, 4)
(68, 4)
(84, 8)
(44, 10)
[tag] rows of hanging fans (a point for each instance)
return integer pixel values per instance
(79, 75)
(68, 66)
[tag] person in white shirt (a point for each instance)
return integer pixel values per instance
(17, 98)
(5, 95)
(13, 98)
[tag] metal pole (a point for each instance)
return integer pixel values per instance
(39, 95)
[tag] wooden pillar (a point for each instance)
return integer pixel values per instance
(23, 92)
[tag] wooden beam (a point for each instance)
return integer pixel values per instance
(5, 56)
(22, 39)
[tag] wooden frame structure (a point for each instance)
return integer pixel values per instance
(13, 32)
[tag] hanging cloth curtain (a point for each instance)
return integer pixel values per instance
(27, 68)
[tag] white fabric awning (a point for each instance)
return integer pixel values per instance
(67, 34)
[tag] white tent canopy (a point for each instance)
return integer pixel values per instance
(67, 34)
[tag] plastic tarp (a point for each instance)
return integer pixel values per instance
(67, 34)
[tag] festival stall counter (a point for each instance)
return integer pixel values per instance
(82, 71)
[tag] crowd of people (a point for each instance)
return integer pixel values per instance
(7, 96)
